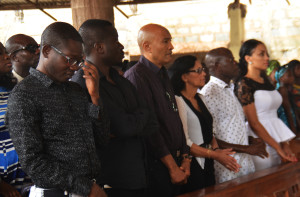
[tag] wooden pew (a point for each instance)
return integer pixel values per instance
(279, 181)
(295, 146)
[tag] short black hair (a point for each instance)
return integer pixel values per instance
(293, 64)
(180, 66)
(213, 57)
(56, 34)
(92, 31)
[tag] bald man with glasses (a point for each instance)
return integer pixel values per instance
(24, 53)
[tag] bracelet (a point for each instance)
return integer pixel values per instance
(216, 149)
(208, 151)
(189, 157)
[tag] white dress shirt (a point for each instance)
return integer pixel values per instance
(17, 76)
(228, 125)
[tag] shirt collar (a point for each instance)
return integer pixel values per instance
(149, 64)
(220, 83)
(43, 78)
(17, 76)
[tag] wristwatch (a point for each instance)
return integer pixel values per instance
(187, 157)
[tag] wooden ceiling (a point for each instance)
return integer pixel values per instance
(48, 4)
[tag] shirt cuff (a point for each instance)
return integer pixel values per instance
(163, 152)
(82, 186)
(94, 110)
(185, 150)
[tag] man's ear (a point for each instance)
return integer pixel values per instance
(217, 68)
(46, 50)
(146, 46)
(14, 58)
(99, 47)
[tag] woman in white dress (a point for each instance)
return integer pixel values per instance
(260, 102)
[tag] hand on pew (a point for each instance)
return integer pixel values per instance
(257, 147)
(290, 156)
(224, 157)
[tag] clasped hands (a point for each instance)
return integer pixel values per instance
(180, 175)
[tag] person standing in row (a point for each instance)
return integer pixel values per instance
(260, 103)
(24, 54)
(188, 76)
(52, 123)
(168, 160)
(229, 125)
(13, 178)
(123, 159)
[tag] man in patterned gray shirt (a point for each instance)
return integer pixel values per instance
(51, 122)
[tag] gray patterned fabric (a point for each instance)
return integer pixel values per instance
(53, 127)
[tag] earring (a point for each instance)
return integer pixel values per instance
(250, 63)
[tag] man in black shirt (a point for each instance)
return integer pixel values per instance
(51, 122)
(168, 152)
(123, 159)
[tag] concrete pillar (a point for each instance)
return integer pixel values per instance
(89, 9)
(236, 14)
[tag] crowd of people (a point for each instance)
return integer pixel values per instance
(74, 122)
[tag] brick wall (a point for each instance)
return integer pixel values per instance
(202, 25)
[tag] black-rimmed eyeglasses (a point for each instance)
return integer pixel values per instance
(70, 61)
(32, 48)
(198, 70)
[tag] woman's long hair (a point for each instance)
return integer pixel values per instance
(180, 66)
(247, 48)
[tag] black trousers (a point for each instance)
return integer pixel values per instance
(200, 178)
(159, 181)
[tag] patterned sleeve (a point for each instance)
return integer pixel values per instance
(244, 92)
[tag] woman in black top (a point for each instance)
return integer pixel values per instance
(188, 76)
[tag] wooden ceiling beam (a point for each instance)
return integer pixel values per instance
(120, 2)
(26, 6)
(6, 5)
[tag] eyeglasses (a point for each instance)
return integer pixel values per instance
(199, 70)
(32, 48)
(70, 61)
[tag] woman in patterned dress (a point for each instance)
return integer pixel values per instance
(260, 102)
(294, 65)
(12, 177)
(286, 112)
